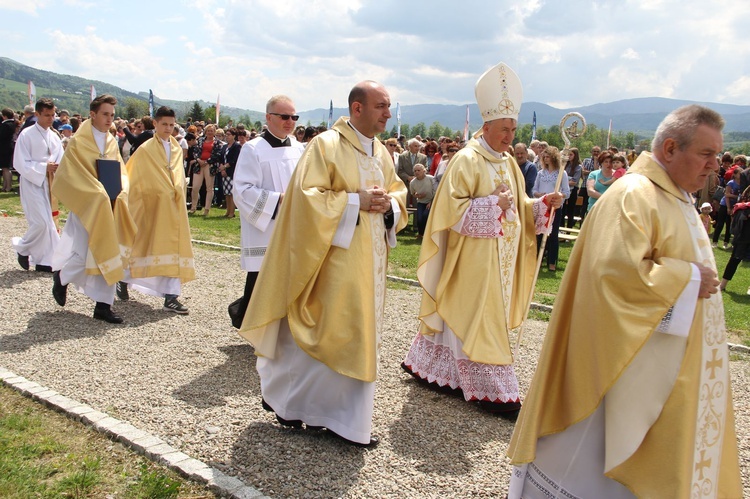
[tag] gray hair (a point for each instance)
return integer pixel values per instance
(28, 109)
(414, 141)
(680, 125)
(275, 100)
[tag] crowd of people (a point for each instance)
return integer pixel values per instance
(318, 216)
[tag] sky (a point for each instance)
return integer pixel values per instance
(567, 53)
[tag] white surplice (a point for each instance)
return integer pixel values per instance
(261, 176)
(36, 147)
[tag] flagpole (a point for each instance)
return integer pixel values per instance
(574, 132)
(330, 115)
(466, 125)
(609, 132)
(218, 98)
(398, 121)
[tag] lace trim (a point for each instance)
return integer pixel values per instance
(663, 326)
(482, 219)
(540, 481)
(437, 364)
(258, 208)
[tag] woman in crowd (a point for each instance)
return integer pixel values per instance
(724, 217)
(573, 171)
(299, 133)
(433, 156)
(392, 146)
(208, 152)
(310, 132)
(545, 184)
(226, 168)
(594, 186)
(451, 148)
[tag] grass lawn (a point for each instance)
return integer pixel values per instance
(44, 454)
(404, 258)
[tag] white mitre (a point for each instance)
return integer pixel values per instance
(499, 93)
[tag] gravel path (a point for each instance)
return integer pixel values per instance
(192, 381)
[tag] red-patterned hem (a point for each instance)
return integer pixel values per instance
(437, 365)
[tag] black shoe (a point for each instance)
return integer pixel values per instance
(374, 441)
(507, 410)
(59, 291)
(293, 423)
(107, 315)
(23, 261)
(265, 405)
(172, 305)
(43, 268)
(122, 290)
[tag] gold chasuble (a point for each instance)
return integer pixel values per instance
(630, 263)
(478, 287)
(327, 292)
(76, 185)
(157, 202)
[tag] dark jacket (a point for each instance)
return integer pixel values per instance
(7, 132)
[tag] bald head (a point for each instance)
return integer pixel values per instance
(369, 108)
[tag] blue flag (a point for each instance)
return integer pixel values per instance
(533, 127)
(150, 103)
(330, 115)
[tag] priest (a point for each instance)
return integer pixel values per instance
(316, 316)
(36, 157)
(632, 393)
(261, 176)
(96, 240)
(477, 261)
(162, 256)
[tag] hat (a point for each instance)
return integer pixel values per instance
(66, 127)
(499, 93)
(707, 205)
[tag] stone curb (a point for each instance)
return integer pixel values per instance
(138, 440)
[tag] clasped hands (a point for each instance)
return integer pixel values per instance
(374, 200)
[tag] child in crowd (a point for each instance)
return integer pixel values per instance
(705, 215)
(618, 164)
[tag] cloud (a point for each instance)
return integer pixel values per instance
(28, 6)
(426, 51)
(110, 60)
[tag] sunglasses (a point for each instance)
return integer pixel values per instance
(452, 150)
(286, 117)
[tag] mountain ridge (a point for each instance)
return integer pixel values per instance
(641, 114)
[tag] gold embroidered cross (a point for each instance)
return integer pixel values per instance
(702, 464)
(714, 363)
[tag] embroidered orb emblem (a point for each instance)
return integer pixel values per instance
(506, 106)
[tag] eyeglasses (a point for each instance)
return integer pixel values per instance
(452, 150)
(391, 145)
(286, 117)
